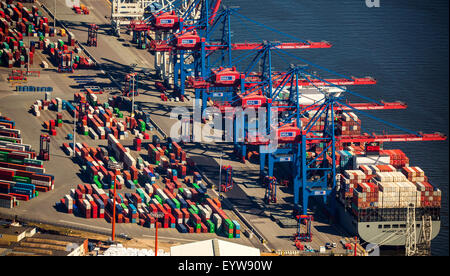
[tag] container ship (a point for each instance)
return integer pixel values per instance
(376, 189)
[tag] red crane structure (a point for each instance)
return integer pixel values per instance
(92, 35)
(44, 147)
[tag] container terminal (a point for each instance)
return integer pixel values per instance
(86, 136)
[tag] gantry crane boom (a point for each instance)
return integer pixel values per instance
(259, 46)
(391, 138)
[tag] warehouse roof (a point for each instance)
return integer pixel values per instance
(214, 247)
(47, 245)
(14, 230)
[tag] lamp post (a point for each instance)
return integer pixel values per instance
(75, 114)
(116, 167)
(156, 215)
(54, 19)
(220, 174)
(132, 89)
(28, 59)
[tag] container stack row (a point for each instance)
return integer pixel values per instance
(150, 205)
(352, 158)
(17, 21)
(22, 176)
(385, 187)
(166, 184)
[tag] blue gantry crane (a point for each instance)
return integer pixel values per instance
(310, 145)
(300, 128)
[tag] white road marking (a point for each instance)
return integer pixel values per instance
(71, 222)
(166, 238)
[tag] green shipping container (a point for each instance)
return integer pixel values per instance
(22, 179)
(190, 210)
(229, 223)
(210, 226)
(34, 162)
(177, 203)
(15, 161)
(96, 182)
(158, 199)
(195, 209)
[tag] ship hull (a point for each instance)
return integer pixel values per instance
(386, 233)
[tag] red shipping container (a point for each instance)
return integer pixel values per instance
(94, 209)
(5, 196)
(190, 229)
(204, 228)
(186, 214)
(171, 218)
(20, 197)
(178, 184)
(134, 173)
(81, 188)
(177, 213)
(167, 208)
(88, 189)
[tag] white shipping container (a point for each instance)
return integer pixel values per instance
(370, 160)
(120, 179)
(41, 183)
(161, 194)
(129, 160)
(149, 189)
(147, 198)
(187, 194)
(87, 204)
(208, 208)
(217, 220)
(155, 201)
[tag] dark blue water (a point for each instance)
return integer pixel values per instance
(403, 44)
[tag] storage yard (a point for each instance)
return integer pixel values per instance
(85, 138)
